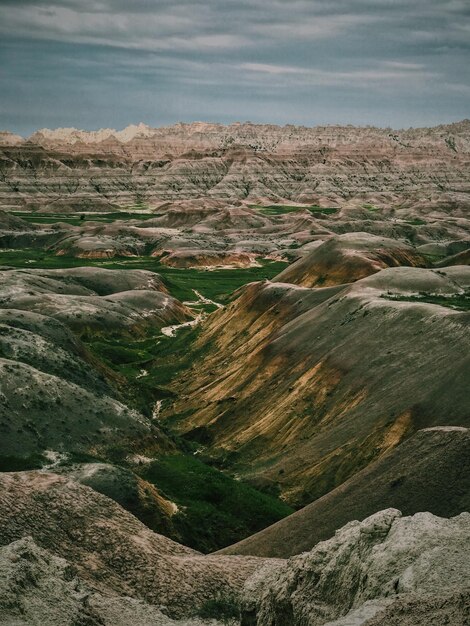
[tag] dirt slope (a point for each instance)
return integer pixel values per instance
(111, 550)
(302, 388)
(428, 472)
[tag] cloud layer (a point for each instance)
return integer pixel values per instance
(94, 63)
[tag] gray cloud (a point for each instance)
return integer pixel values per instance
(307, 61)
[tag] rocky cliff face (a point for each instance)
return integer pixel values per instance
(381, 571)
(69, 556)
(69, 169)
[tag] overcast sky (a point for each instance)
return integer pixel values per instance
(110, 63)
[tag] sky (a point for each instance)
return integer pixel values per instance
(110, 63)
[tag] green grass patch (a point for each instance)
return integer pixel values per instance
(222, 608)
(76, 219)
(216, 510)
(459, 302)
(283, 209)
(149, 363)
(215, 284)
(20, 464)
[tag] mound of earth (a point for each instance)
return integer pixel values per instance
(127, 489)
(347, 258)
(98, 247)
(207, 258)
(93, 298)
(461, 258)
(301, 388)
(12, 223)
(37, 587)
(385, 570)
(16, 233)
(111, 551)
(54, 397)
(430, 471)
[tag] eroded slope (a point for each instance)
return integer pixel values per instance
(302, 388)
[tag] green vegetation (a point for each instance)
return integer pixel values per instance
(459, 302)
(76, 219)
(148, 363)
(20, 464)
(416, 221)
(225, 608)
(215, 284)
(215, 509)
(282, 209)
(370, 207)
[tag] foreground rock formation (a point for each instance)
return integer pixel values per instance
(112, 552)
(411, 571)
(69, 555)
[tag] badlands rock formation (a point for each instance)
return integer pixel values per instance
(386, 570)
(55, 395)
(70, 169)
(109, 549)
(301, 388)
(37, 587)
(89, 297)
(347, 258)
(341, 385)
(69, 555)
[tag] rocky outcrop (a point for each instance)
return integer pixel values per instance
(93, 298)
(37, 588)
(55, 399)
(55, 396)
(430, 471)
(111, 551)
(70, 555)
(207, 259)
(385, 570)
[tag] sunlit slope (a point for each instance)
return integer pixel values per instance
(302, 388)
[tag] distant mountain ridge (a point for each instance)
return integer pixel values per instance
(72, 170)
(72, 135)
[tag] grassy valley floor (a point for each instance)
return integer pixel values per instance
(213, 509)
